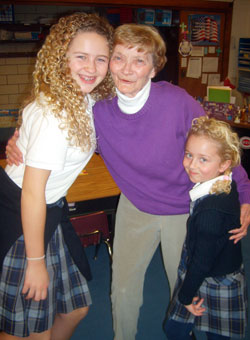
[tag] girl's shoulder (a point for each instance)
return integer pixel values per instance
(39, 115)
(37, 105)
(226, 203)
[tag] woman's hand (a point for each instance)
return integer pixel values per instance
(196, 307)
(241, 232)
(36, 280)
(13, 154)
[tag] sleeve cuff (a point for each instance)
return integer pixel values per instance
(185, 300)
(244, 197)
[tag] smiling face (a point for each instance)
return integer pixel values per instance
(88, 56)
(202, 161)
(131, 69)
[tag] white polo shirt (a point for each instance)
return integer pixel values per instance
(45, 146)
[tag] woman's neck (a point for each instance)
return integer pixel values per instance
(133, 105)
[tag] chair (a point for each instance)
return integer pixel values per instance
(93, 229)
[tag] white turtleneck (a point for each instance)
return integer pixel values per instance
(133, 105)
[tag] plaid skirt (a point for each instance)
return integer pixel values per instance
(67, 291)
(225, 300)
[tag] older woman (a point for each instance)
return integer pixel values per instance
(141, 135)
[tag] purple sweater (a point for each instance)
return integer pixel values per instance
(144, 151)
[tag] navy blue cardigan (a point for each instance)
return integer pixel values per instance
(210, 252)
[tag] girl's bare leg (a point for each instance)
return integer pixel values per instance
(63, 327)
(65, 324)
(34, 336)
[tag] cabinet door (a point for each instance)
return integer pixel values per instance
(194, 86)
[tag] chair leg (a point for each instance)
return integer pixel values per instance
(96, 250)
(97, 247)
(109, 248)
(193, 336)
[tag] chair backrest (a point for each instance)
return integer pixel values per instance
(91, 228)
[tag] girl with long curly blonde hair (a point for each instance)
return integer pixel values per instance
(43, 269)
(52, 76)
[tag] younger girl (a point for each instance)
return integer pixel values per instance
(210, 292)
(43, 291)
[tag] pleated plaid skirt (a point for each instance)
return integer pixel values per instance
(225, 300)
(68, 289)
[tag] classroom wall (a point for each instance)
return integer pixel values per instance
(15, 73)
(15, 81)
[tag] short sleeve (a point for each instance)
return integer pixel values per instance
(46, 142)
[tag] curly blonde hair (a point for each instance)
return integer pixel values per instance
(228, 146)
(52, 76)
(146, 38)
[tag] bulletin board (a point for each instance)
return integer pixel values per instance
(201, 59)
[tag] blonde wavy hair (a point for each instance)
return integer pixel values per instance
(228, 146)
(146, 39)
(52, 76)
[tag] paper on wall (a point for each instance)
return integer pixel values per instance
(210, 64)
(197, 51)
(194, 68)
(214, 79)
(211, 49)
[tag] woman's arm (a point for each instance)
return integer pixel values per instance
(33, 211)
(13, 154)
(243, 187)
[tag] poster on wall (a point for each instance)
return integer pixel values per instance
(204, 29)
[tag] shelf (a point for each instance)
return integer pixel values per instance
(244, 65)
(244, 69)
(25, 41)
(17, 27)
(18, 55)
(25, 34)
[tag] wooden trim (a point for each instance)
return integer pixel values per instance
(226, 43)
(173, 4)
